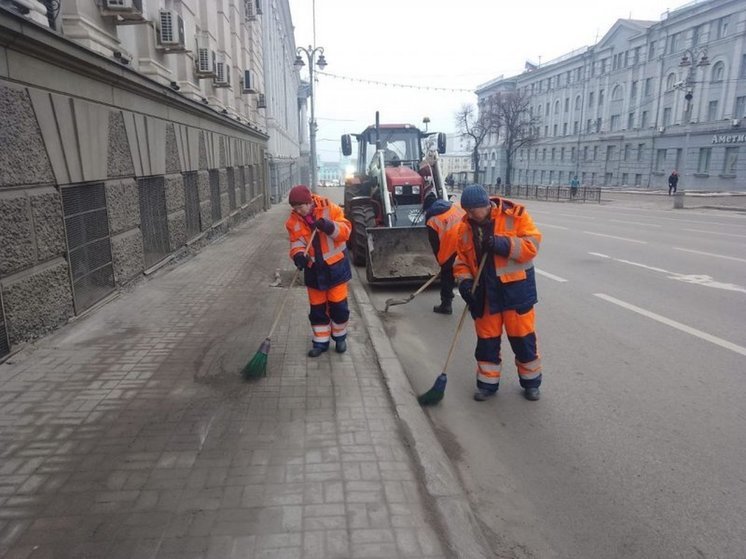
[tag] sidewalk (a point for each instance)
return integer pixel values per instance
(130, 434)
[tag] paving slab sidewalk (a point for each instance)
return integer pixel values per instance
(129, 433)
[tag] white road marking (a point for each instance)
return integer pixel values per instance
(552, 226)
(697, 279)
(550, 276)
(715, 233)
(678, 325)
(711, 254)
(615, 237)
(635, 222)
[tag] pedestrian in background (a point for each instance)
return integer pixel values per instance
(506, 291)
(673, 182)
(442, 218)
(574, 183)
(326, 266)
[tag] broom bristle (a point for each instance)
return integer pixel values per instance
(257, 367)
(436, 393)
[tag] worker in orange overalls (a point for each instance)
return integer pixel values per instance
(442, 218)
(506, 291)
(326, 266)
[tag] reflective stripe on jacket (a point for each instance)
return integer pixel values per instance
(446, 225)
(510, 283)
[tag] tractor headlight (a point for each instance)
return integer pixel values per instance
(415, 190)
(398, 190)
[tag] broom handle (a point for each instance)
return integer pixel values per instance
(463, 313)
(425, 286)
(292, 283)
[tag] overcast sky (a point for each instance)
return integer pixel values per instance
(457, 44)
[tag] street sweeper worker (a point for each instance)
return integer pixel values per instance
(506, 291)
(326, 267)
(442, 218)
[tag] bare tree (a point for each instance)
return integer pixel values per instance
(477, 124)
(518, 125)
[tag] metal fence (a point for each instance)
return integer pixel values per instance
(548, 193)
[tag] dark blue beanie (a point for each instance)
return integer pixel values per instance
(474, 196)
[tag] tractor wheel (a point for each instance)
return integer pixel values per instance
(363, 216)
(353, 190)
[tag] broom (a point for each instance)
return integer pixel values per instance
(438, 390)
(392, 302)
(257, 367)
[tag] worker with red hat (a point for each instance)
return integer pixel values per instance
(326, 265)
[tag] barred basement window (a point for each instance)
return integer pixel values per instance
(153, 219)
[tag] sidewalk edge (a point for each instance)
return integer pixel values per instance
(461, 528)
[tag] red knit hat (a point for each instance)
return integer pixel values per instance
(299, 194)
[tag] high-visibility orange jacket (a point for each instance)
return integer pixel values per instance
(328, 263)
(507, 281)
(446, 226)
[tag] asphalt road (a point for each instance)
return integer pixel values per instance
(638, 446)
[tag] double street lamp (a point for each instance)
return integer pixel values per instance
(692, 59)
(311, 53)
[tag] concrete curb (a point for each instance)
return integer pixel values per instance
(457, 520)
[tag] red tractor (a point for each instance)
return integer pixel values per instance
(383, 200)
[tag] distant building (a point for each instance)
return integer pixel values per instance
(330, 172)
(650, 97)
(457, 160)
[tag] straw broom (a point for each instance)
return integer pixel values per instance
(257, 367)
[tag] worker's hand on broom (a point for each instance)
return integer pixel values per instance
(324, 225)
(465, 288)
(301, 260)
(496, 244)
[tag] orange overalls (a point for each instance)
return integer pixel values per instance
(328, 271)
(445, 226)
(506, 292)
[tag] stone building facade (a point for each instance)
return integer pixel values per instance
(126, 135)
(647, 99)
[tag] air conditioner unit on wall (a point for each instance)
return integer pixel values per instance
(259, 7)
(247, 84)
(661, 129)
(735, 122)
(261, 101)
(250, 10)
(204, 63)
(222, 74)
(126, 11)
(171, 31)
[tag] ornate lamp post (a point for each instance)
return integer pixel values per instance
(311, 53)
(698, 55)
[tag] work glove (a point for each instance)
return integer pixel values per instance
(301, 260)
(465, 288)
(324, 225)
(496, 244)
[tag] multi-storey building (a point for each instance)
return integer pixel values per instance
(647, 99)
(129, 129)
(456, 162)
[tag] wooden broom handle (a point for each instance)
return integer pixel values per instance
(292, 283)
(463, 313)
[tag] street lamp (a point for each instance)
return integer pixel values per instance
(311, 53)
(690, 55)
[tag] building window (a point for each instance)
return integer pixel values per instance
(589, 126)
(670, 81)
(730, 162)
(610, 153)
(718, 72)
(600, 97)
(546, 110)
(644, 120)
(633, 91)
(616, 93)
(712, 110)
(562, 154)
(626, 152)
(640, 151)
(567, 104)
(577, 103)
(544, 154)
(585, 153)
(648, 87)
(564, 129)
(553, 154)
(742, 72)
(630, 121)
(595, 153)
(667, 116)
(625, 179)
(575, 127)
(614, 122)
(590, 99)
(556, 107)
(740, 110)
(651, 50)
(638, 180)
(572, 154)
(554, 131)
(722, 27)
(703, 166)
(660, 160)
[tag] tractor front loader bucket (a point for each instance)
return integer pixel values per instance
(399, 254)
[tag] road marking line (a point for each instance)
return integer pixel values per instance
(673, 324)
(697, 279)
(552, 226)
(711, 254)
(715, 233)
(635, 222)
(615, 237)
(550, 276)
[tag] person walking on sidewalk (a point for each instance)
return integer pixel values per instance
(326, 267)
(506, 292)
(442, 218)
(673, 182)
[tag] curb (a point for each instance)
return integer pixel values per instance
(456, 517)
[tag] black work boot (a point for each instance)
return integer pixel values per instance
(532, 394)
(316, 351)
(340, 346)
(443, 308)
